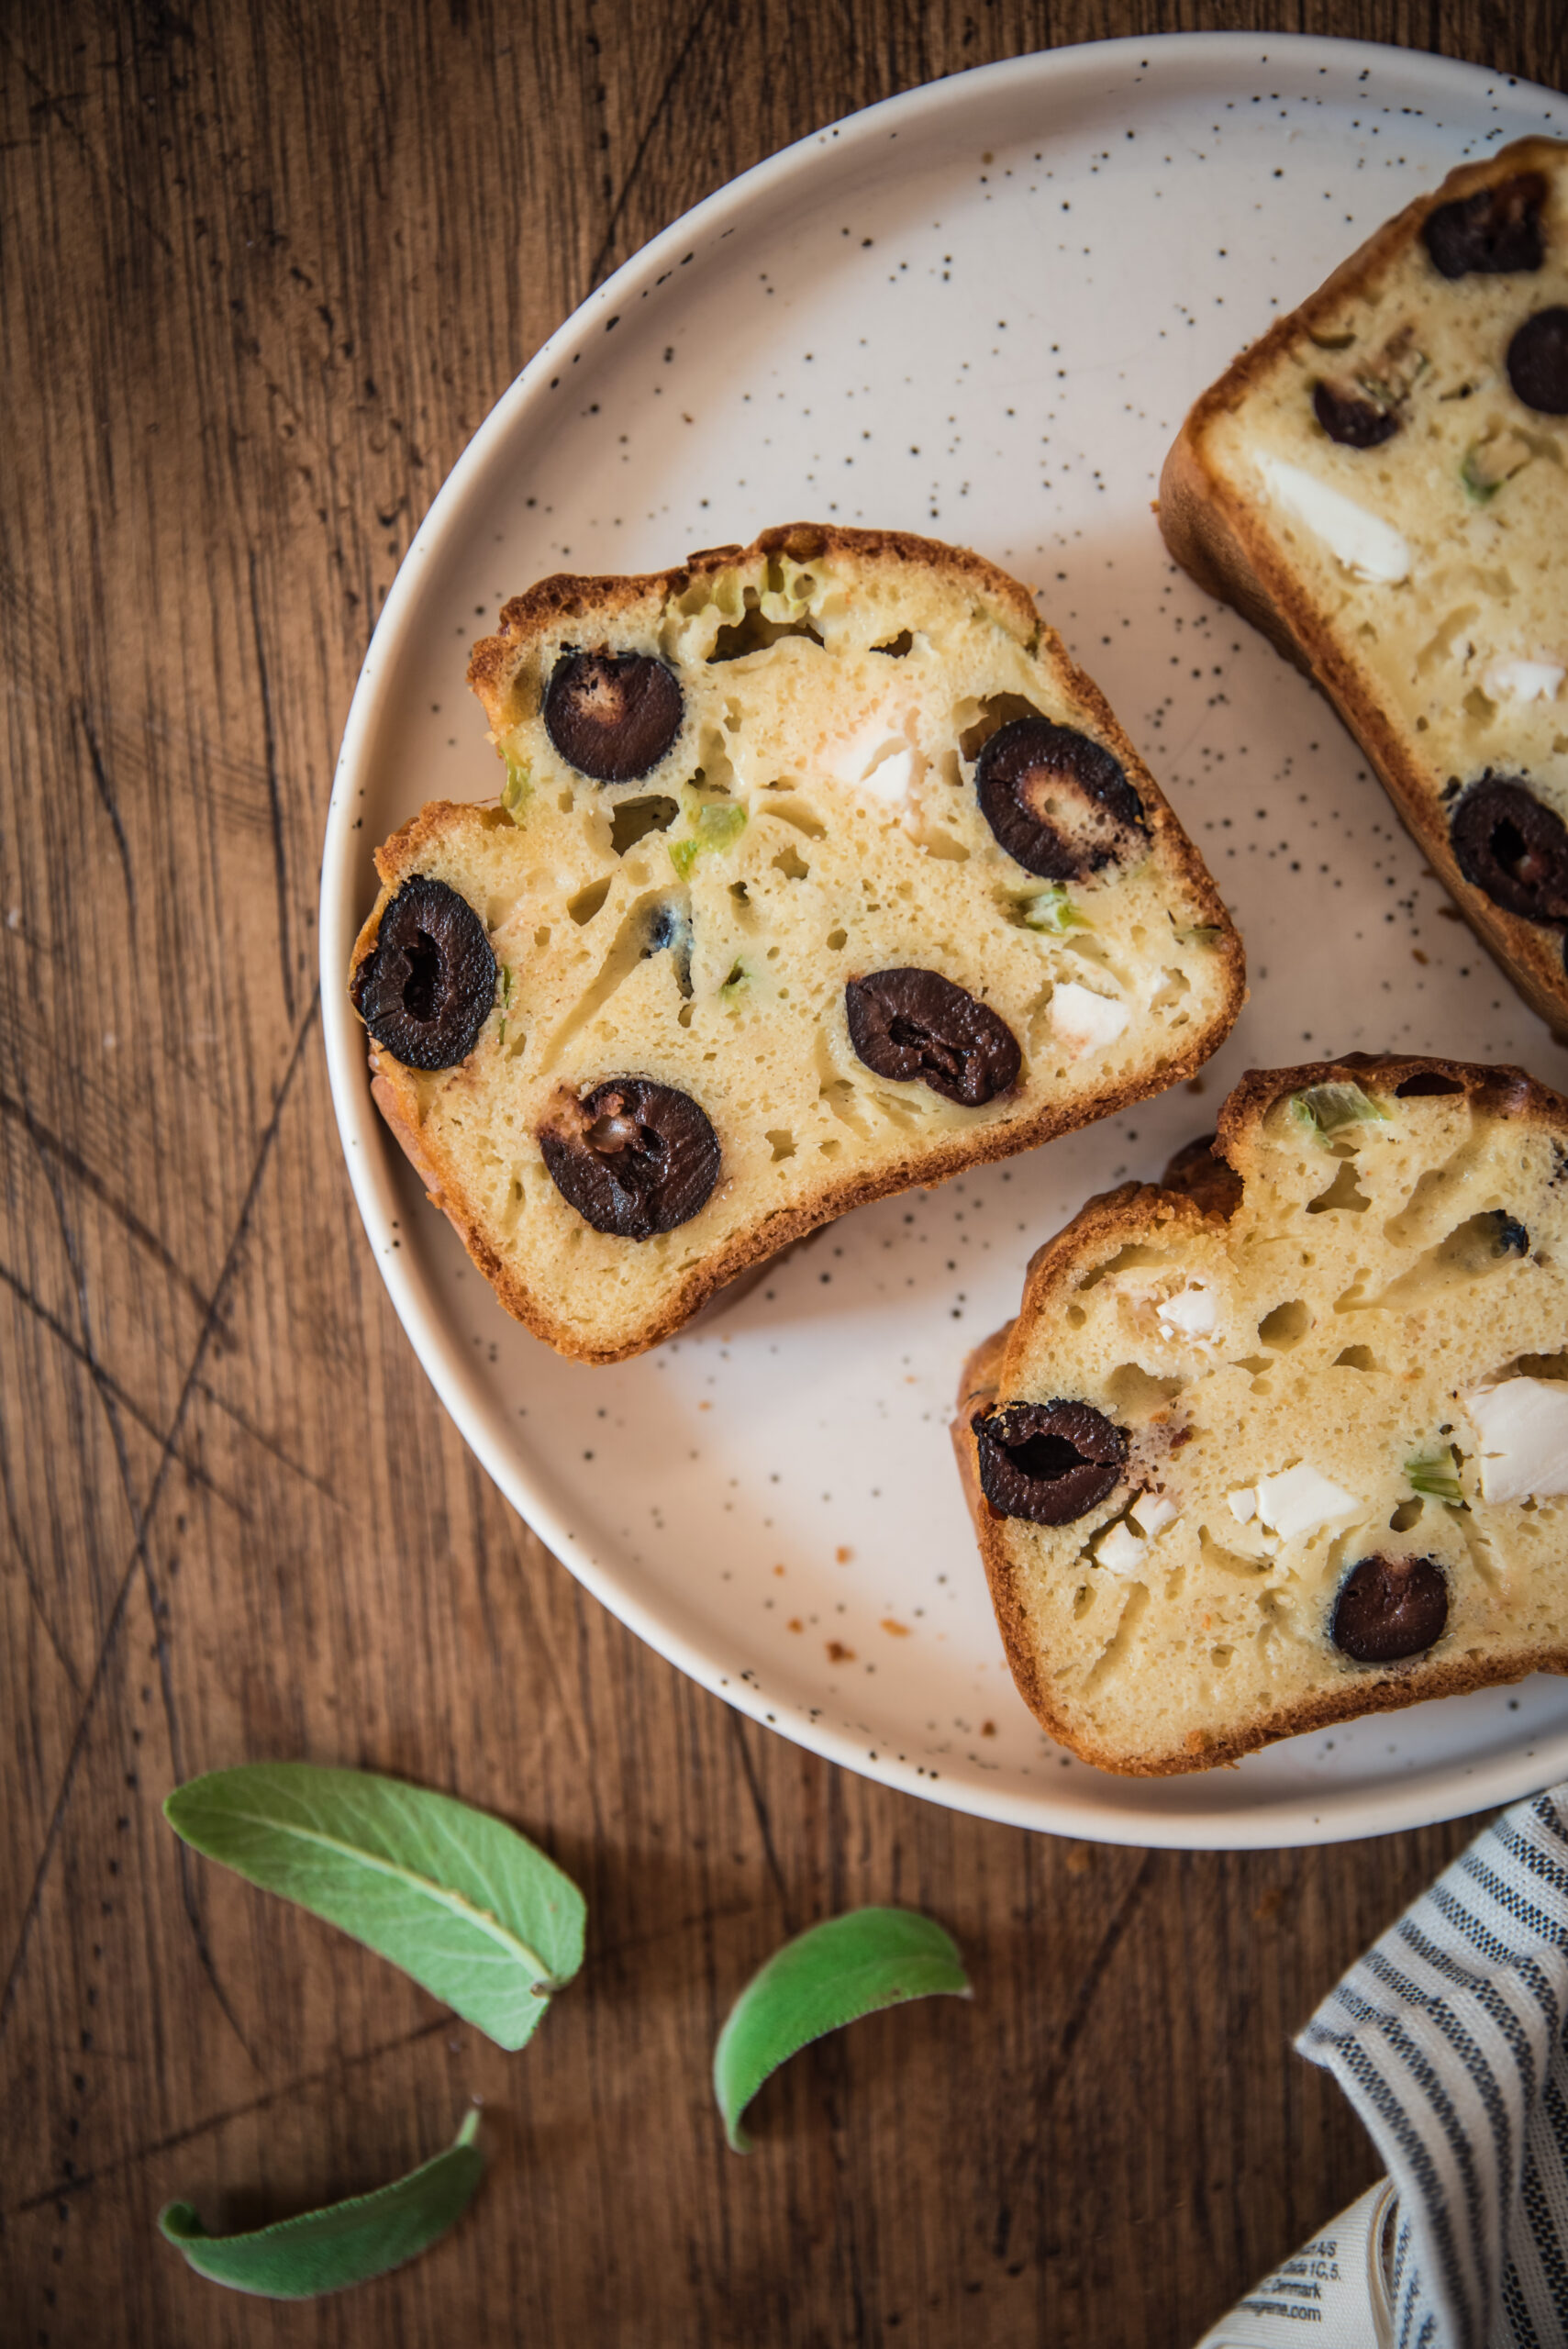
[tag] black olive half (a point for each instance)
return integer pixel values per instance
(425, 987)
(1353, 419)
(1058, 802)
(1390, 1608)
(633, 1157)
(1493, 232)
(612, 715)
(911, 1024)
(1049, 1462)
(1538, 361)
(1512, 847)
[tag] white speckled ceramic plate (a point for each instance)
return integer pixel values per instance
(978, 311)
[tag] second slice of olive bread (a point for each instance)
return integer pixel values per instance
(1284, 1440)
(818, 871)
(1380, 482)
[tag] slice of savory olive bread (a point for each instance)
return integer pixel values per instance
(1284, 1440)
(1382, 483)
(819, 871)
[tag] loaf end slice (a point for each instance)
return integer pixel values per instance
(1380, 485)
(818, 870)
(1284, 1440)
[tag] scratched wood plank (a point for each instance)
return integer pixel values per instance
(267, 269)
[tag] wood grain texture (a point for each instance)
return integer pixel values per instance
(267, 266)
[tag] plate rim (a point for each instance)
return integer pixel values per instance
(1427, 1797)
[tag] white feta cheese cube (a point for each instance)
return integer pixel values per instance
(1523, 1430)
(1083, 1021)
(1193, 1312)
(1120, 1552)
(1368, 547)
(1301, 1500)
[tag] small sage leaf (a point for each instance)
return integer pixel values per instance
(347, 2243)
(460, 1900)
(830, 1975)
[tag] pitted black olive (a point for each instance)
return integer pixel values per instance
(1049, 1462)
(1389, 1608)
(612, 715)
(1353, 419)
(632, 1157)
(913, 1024)
(1510, 1237)
(1512, 846)
(425, 987)
(1058, 802)
(1493, 232)
(1538, 361)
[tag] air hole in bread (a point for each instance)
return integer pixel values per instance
(635, 818)
(1116, 1649)
(994, 711)
(837, 941)
(1134, 1394)
(1357, 1358)
(1286, 1325)
(1408, 1514)
(1476, 1249)
(1125, 1260)
(1428, 1080)
(796, 812)
(588, 901)
(1541, 1365)
(791, 864)
(752, 633)
(896, 647)
(1344, 1194)
(783, 1142)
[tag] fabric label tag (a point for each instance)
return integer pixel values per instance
(1333, 2292)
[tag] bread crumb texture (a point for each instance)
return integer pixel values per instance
(1367, 1358)
(814, 820)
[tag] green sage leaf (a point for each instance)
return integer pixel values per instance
(460, 1900)
(833, 1974)
(347, 2243)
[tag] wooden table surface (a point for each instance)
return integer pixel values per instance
(265, 271)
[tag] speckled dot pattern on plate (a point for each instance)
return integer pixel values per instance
(981, 312)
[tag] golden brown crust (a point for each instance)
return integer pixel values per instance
(1221, 543)
(565, 595)
(395, 1093)
(1141, 1212)
(397, 1089)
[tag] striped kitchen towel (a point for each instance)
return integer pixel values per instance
(1451, 2038)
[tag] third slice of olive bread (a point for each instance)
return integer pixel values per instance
(818, 871)
(1381, 483)
(1284, 1440)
